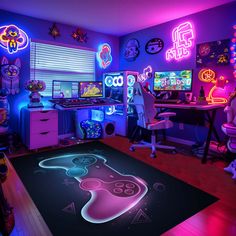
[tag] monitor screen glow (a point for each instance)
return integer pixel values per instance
(91, 89)
(65, 89)
(173, 81)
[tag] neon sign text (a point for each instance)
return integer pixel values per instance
(147, 73)
(182, 38)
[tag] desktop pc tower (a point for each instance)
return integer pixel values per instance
(119, 86)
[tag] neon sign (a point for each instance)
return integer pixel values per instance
(104, 55)
(208, 75)
(233, 52)
(13, 38)
(147, 74)
(182, 38)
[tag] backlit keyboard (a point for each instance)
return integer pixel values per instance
(167, 101)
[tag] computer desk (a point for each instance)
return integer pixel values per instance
(209, 110)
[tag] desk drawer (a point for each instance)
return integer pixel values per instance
(43, 139)
(43, 115)
(43, 125)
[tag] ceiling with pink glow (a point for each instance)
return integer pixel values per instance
(115, 17)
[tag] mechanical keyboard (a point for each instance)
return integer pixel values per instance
(68, 103)
(167, 101)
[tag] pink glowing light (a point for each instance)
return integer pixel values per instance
(147, 73)
(182, 38)
(233, 52)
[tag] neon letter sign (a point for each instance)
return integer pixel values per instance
(182, 37)
(104, 55)
(147, 73)
(13, 38)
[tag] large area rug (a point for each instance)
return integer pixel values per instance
(94, 189)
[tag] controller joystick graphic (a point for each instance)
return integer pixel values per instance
(112, 194)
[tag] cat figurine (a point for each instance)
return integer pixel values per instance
(10, 75)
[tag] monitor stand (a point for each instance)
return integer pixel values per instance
(174, 95)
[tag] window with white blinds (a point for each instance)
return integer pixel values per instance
(50, 62)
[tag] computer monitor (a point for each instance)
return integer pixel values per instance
(91, 89)
(180, 80)
(65, 89)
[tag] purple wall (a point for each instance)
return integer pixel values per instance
(39, 29)
(210, 25)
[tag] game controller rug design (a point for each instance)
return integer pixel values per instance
(94, 189)
(112, 193)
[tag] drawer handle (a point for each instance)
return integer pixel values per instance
(44, 119)
(43, 133)
(44, 111)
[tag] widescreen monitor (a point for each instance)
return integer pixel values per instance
(180, 80)
(91, 89)
(65, 89)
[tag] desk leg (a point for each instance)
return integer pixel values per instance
(211, 128)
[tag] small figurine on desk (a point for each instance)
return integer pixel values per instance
(35, 86)
(202, 98)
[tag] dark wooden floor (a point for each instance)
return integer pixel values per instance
(219, 219)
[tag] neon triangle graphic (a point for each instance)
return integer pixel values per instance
(141, 218)
(70, 209)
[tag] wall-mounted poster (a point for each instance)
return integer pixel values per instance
(213, 53)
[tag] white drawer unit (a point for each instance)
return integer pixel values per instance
(39, 127)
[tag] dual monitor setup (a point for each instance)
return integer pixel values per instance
(76, 90)
(166, 81)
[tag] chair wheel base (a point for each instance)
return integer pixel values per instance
(153, 155)
(132, 149)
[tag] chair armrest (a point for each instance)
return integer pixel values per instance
(166, 114)
(227, 109)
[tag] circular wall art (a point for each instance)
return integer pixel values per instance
(154, 46)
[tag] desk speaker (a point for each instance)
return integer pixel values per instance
(108, 128)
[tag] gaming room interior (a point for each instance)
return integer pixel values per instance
(118, 117)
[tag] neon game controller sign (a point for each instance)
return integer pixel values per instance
(182, 38)
(104, 55)
(13, 38)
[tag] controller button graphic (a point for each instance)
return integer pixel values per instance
(130, 185)
(84, 161)
(119, 185)
(76, 171)
(90, 184)
(129, 192)
(118, 190)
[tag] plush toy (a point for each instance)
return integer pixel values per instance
(10, 75)
(35, 86)
(231, 169)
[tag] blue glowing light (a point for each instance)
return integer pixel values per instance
(13, 38)
(104, 56)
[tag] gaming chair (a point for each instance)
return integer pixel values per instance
(229, 128)
(144, 104)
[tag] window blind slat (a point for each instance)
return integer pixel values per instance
(52, 62)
